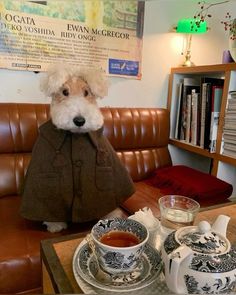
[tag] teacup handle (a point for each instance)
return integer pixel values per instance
(91, 243)
(175, 260)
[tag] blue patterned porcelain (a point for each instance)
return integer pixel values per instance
(200, 260)
(85, 267)
(119, 259)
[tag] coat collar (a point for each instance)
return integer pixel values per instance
(56, 137)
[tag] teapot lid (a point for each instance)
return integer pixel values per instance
(203, 239)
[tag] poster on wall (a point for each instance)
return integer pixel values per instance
(104, 34)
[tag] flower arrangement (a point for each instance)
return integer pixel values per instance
(203, 13)
(230, 25)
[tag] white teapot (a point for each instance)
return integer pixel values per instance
(199, 259)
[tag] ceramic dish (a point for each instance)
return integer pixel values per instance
(125, 258)
(85, 267)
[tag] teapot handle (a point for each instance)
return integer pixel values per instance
(175, 260)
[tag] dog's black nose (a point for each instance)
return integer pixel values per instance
(79, 121)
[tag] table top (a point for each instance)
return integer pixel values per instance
(57, 254)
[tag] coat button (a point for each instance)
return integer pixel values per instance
(78, 163)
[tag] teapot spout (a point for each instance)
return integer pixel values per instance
(220, 225)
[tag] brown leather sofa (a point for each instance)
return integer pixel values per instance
(140, 137)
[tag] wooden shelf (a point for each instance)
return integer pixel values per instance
(191, 148)
(197, 150)
(205, 69)
(226, 71)
(226, 159)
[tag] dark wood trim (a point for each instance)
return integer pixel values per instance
(59, 279)
(227, 203)
(227, 159)
(204, 69)
(191, 148)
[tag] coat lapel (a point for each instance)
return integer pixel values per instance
(103, 155)
(95, 137)
(53, 135)
(56, 138)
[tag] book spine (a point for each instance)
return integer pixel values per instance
(207, 117)
(217, 92)
(188, 118)
(183, 115)
(194, 118)
(178, 116)
(203, 114)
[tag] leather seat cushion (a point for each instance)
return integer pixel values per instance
(19, 241)
(20, 246)
(183, 180)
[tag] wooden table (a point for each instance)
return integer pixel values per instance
(57, 254)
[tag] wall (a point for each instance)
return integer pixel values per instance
(161, 51)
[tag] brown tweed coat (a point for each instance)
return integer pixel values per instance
(73, 177)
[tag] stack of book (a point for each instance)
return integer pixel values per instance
(198, 109)
(229, 131)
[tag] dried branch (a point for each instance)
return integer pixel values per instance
(203, 13)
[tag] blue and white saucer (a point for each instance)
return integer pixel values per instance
(85, 267)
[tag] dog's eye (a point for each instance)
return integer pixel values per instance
(65, 92)
(86, 93)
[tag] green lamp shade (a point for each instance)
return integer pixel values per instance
(191, 26)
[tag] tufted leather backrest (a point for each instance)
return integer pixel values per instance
(139, 136)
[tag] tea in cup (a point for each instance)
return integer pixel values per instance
(119, 244)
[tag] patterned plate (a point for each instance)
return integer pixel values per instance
(85, 266)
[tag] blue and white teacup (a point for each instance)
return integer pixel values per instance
(119, 244)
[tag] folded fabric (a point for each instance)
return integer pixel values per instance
(183, 180)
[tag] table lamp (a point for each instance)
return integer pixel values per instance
(190, 26)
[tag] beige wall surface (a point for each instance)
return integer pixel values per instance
(161, 51)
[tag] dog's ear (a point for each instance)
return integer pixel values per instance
(54, 78)
(97, 82)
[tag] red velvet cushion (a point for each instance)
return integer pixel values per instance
(189, 182)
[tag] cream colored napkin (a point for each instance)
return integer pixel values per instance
(146, 217)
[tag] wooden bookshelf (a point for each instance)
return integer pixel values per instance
(192, 148)
(228, 73)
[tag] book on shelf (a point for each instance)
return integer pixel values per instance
(188, 118)
(188, 85)
(229, 140)
(229, 130)
(231, 120)
(232, 94)
(230, 126)
(229, 153)
(230, 146)
(207, 116)
(231, 104)
(203, 113)
(217, 92)
(194, 117)
(229, 149)
(178, 108)
(198, 109)
(231, 101)
(229, 134)
(230, 114)
(208, 85)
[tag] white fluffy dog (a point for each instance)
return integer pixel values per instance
(74, 107)
(74, 174)
(74, 92)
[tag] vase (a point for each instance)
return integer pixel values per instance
(232, 41)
